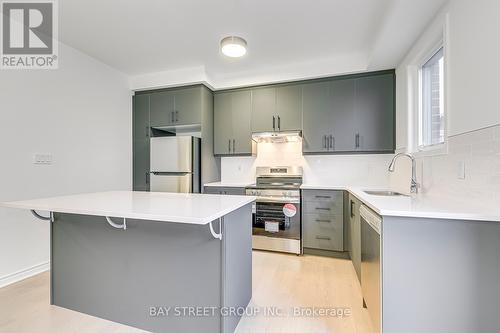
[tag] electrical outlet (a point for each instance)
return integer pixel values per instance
(45, 159)
(461, 170)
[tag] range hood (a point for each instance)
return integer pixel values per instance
(277, 137)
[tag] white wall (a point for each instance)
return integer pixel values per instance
(362, 170)
(81, 114)
(473, 109)
(473, 67)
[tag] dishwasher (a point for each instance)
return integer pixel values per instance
(370, 264)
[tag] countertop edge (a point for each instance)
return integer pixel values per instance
(142, 216)
(356, 191)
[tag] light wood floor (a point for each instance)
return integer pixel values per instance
(279, 280)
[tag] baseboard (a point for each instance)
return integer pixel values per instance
(24, 274)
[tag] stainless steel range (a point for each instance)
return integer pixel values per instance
(277, 221)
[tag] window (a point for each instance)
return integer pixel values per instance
(431, 130)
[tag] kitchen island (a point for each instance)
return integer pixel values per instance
(162, 262)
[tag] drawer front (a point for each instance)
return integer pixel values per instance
(323, 232)
(211, 190)
(322, 196)
(224, 190)
(319, 238)
(324, 207)
(322, 220)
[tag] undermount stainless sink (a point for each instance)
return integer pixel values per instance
(385, 193)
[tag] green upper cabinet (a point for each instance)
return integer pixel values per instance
(329, 122)
(343, 121)
(162, 108)
(140, 147)
(232, 119)
(349, 114)
(374, 105)
(176, 107)
(289, 107)
(277, 108)
(317, 117)
(264, 117)
(188, 106)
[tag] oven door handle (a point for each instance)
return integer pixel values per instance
(283, 201)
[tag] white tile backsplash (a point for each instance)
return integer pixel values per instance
(480, 152)
(354, 170)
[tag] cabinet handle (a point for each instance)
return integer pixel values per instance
(357, 140)
(274, 122)
(171, 116)
(323, 197)
(147, 131)
(326, 221)
(147, 177)
(279, 123)
(332, 142)
(233, 145)
(325, 142)
(323, 237)
(352, 208)
(321, 208)
(176, 116)
(229, 147)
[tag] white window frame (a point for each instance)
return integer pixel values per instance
(415, 95)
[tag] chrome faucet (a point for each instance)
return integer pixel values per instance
(414, 185)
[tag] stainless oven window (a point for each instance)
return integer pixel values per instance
(272, 212)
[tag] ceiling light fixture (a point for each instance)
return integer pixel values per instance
(233, 46)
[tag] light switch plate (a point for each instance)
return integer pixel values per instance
(45, 159)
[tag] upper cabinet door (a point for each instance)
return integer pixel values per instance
(289, 107)
(317, 116)
(232, 118)
(343, 120)
(140, 127)
(374, 105)
(162, 109)
(188, 106)
(223, 123)
(241, 102)
(264, 110)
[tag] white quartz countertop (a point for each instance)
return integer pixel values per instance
(226, 184)
(166, 207)
(421, 205)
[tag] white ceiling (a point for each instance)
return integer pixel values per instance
(139, 37)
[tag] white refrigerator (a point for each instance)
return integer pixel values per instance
(175, 164)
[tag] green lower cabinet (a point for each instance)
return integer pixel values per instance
(323, 220)
(140, 124)
(224, 190)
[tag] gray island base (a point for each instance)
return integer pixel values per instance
(135, 276)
